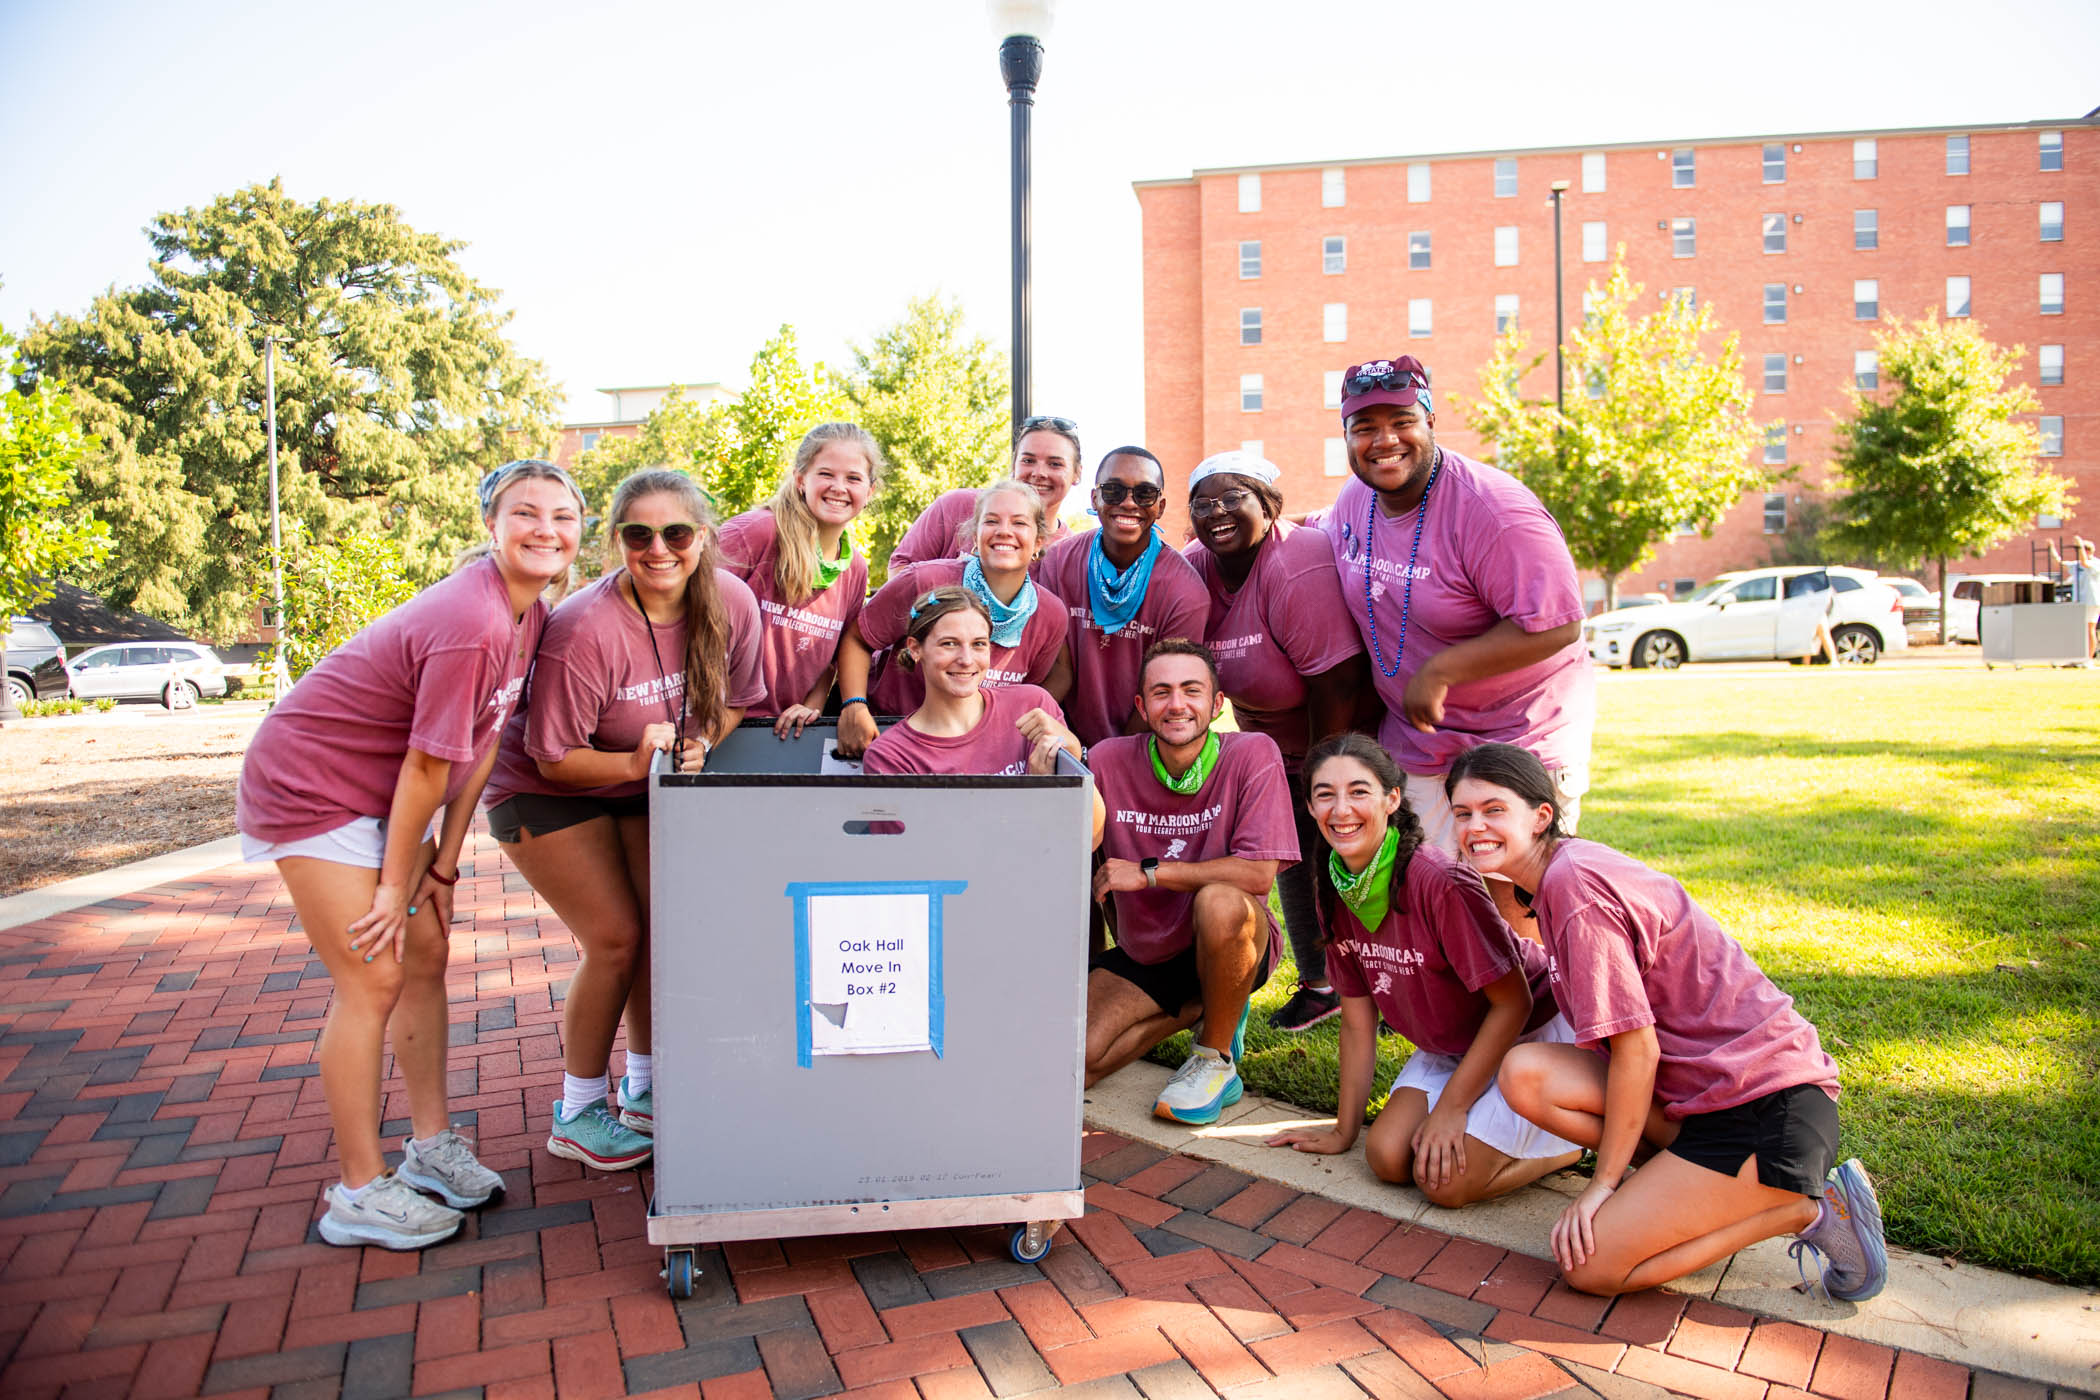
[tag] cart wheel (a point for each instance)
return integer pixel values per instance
(1020, 1243)
(678, 1272)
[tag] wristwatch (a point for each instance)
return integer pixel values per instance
(1150, 865)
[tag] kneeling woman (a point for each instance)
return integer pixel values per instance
(1413, 935)
(963, 726)
(1702, 1057)
(663, 652)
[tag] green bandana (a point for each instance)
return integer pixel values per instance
(828, 570)
(1370, 893)
(1199, 771)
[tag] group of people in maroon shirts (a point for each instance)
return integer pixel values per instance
(1560, 996)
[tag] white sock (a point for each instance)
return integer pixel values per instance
(425, 1144)
(1822, 1213)
(354, 1194)
(641, 1073)
(579, 1094)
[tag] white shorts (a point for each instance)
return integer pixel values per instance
(361, 841)
(1425, 798)
(1491, 1119)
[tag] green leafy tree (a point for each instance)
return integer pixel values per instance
(1934, 466)
(331, 593)
(1657, 433)
(937, 402)
(396, 390)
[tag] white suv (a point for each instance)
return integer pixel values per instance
(173, 672)
(1756, 615)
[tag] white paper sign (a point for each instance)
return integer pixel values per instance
(868, 984)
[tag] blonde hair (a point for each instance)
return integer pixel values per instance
(1001, 487)
(794, 527)
(706, 667)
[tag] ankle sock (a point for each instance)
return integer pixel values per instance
(424, 1144)
(354, 1194)
(641, 1073)
(1822, 1214)
(579, 1094)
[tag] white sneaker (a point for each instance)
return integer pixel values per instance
(389, 1215)
(449, 1170)
(1205, 1085)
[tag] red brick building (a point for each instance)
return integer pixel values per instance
(1262, 283)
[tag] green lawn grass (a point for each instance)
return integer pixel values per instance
(1915, 856)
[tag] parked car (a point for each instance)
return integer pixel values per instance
(1755, 615)
(36, 662)
(1638, 600)
(1921, 607)
(149, 671)
(1965, 608)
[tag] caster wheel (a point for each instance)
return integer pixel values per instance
(678, 1272)
(1019, 1245)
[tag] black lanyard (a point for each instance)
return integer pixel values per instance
(677, 716)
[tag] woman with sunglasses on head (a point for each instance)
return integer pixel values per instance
(1124, 590)
(1682, 1047)
(339, 787)
(1028, 623)
(963, 725)
(662, 654)
(1415, 939)
(1289, 660)
(809, 580)
(1046, 456)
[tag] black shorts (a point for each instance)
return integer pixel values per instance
(1173, 984)
(544, 813)
(1793, 1133)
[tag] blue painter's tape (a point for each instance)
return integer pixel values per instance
(802, 891)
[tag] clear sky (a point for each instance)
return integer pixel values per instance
(655, 188)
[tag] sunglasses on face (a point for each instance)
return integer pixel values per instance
(1225, 502)
(1114, 493)
(1391, 379)
(638, 537)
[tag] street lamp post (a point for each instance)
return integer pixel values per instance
(1022, 23)
(1560, 309)
(279, 675)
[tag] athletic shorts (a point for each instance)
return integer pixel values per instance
(1793, 1133)
(1491, 1119)
(361, 841)
(544, 813)
(1173, 984)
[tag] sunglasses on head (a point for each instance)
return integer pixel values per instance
(1113, 493)
(492, 480)
(1391, 379)
(1224, 502)
(1050, 421)
(638, 537)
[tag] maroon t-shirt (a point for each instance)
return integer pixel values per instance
(1627, 948)
(437, 675)
(597, 684)
(884, 621)
(802, 639)
(1285, 622)
(1427, 962)
(941, 531)
(1106, 668)
(994, 746)
(1243, 809)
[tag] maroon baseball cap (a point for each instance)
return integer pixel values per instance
(1401, 380)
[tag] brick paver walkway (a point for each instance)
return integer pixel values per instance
(165, 1139)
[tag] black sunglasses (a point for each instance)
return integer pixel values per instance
(1113, 493)
(638, 537)
(1391, 379)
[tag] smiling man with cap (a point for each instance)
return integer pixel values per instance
(1462, 587)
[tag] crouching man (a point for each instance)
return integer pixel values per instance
(1196, 826)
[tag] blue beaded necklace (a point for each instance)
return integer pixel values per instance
(1407, 591)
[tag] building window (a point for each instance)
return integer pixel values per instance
(1866, 369)
(1334, 322)
(1957, 155)
(1683, 168)
(1334, 254)
(1595, 382)
(1866, 159)
(1775, 444)
(1505, 312)
(1685, 528)
(1683, 587)
(1866, 299)
(1418, 182)
(1250, 393)
(1419, 322)
(1250, 194)
(1593, 241)
(1957, 226)
(1684, 238)
(1775, 303)
(1775, 163)
(1418, 252)
(1957, 296)
(2052, 294)
(2052, 363)
(1866, 229)
(1775, 233)
(1506, 246)
(2052, 426)
(1334, 187)
(1250, 258)
(2052, 223)
(1506, 177)
(1775, 374)
(589, 441)
(1685, 299)
(1252, 447)
(1589, 306)
(1775, 511)
(1334, 458)
(1250, 325)
(1334, 388)
(1593, 172)
(2052, 150)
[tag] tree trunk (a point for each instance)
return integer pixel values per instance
(1611, 591)
(1946, 603)
(7, 701)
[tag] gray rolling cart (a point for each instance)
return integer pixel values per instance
(869, 997)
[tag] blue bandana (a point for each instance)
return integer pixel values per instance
(1009, 620)
(1115, 598)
